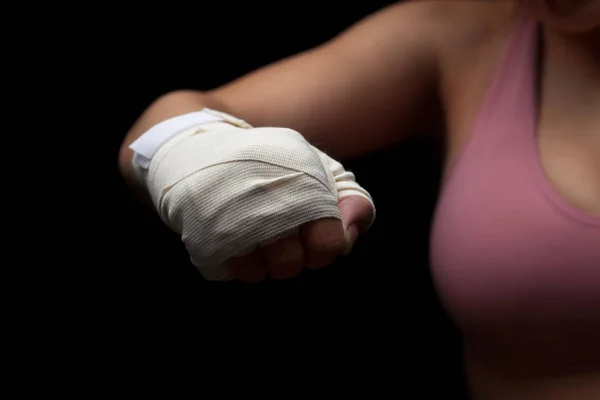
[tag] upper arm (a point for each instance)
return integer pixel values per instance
(367, 88)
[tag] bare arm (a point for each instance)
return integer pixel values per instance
(366, 89)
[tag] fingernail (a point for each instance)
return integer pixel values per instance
(351, 235)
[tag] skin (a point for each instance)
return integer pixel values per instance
(422, 57)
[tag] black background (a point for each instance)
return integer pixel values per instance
(372, 319)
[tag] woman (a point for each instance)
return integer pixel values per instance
(516, 238)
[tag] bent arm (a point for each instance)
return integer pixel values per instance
(368, 88)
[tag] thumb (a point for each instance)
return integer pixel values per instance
(357, 215)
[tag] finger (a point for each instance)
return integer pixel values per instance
(249, 268)
(285, 258)
(357, 215)
(323, 241)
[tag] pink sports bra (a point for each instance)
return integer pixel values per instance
(516, 266)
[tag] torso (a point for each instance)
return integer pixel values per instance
(569, 146)
(569, 165)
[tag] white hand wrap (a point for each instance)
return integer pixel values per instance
(227, 188)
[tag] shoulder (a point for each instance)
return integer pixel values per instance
(444, 34)
(445, 21)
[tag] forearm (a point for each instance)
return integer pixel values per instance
(369, 88)
(163, 108)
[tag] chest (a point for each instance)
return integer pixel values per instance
(516, 236)
(566, 134)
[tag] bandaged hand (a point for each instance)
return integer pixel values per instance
(249, 202)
